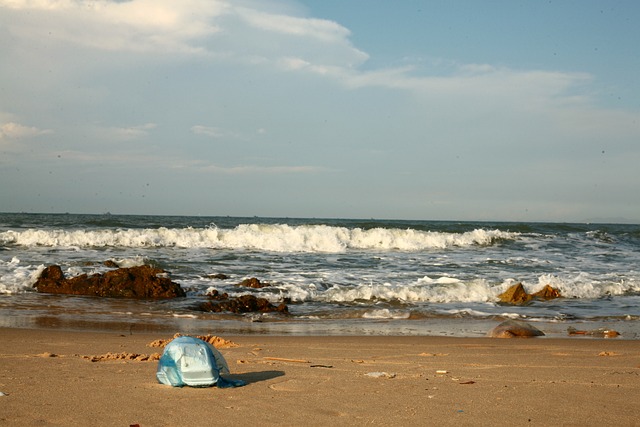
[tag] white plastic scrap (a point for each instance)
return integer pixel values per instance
(381, 375)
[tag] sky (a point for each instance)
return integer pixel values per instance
(437, 110)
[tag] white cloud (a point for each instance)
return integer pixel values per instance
(225, 30)
(318, 40)
(132, 132)
(136, 25)
(214, 132)
(246, 169)
(139, 158)
(320, 29)
(252, 170)
(232, 31)
(294, 63)
(210, 131)
(246, 33)
(12, 130)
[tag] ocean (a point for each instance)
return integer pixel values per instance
(337, 276)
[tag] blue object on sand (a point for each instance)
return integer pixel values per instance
(192, 362)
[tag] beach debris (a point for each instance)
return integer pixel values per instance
(321, 366)
(219, 302)
(517, 295)
(136, 357)
(467, 382)
(381, 375)
(282, 359)
(607, 353)
(514, 329)
(600, 332)
(433, 354)
(3, 394)
(192, 362)
(140, 282)
(214, 340)
(442, 372)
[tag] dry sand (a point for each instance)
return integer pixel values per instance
(318, 381)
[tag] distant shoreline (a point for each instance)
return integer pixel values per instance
(603, 221)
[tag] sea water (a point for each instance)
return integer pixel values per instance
(337, 276)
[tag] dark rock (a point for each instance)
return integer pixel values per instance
(52, 274)
(252, 283)
(219, 276)
(515, 329)
(110, 263)
(133, 282)
(216, 295)
(243, 304)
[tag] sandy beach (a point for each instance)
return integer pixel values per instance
(47, 378)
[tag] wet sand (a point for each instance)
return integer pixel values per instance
(47, 378)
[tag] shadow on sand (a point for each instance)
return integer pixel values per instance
(255, 377)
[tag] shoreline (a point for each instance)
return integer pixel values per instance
(129, 322)
(435, 327)
(330, 380)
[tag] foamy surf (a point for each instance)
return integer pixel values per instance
(264, 237)
(404, 273)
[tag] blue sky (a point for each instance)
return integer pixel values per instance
(461, 110)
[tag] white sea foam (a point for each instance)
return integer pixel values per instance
(454, 291)
(467, 312)
(15, 278)
(514, 316)
(582, 285)
(385, 313)
(135, 261)
(267, 237)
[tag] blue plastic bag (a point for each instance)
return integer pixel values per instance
(188, 361)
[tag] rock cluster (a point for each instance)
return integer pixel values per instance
(133, 282)
(220, 302)
(518, 296)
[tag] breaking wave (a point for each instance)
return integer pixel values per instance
(264, 237)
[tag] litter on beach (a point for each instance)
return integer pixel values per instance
(192, 362)
(381, 375)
